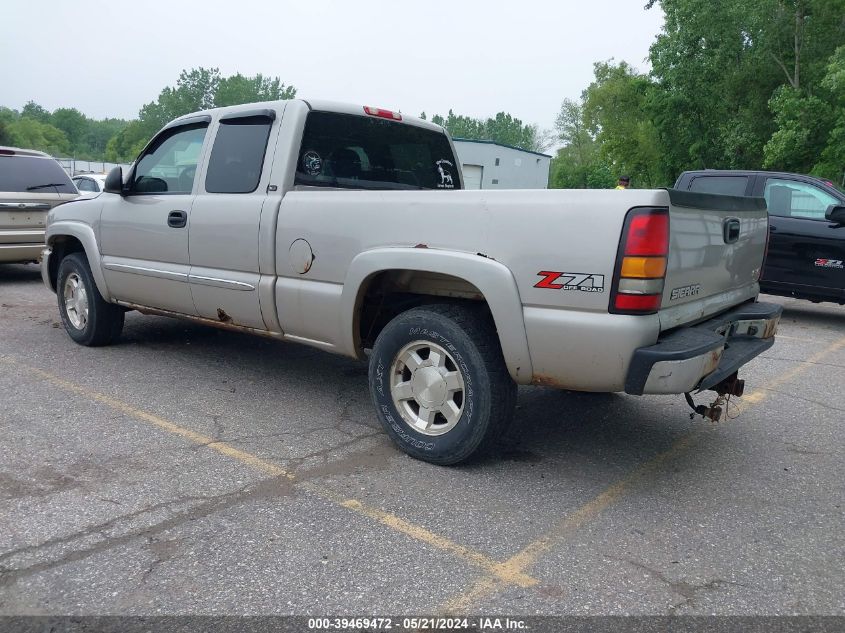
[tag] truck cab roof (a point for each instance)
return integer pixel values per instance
(684, 179)
(320, 105)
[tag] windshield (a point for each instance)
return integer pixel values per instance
(362, 152)
(33, 174)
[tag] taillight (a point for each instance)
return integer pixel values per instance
(641, 262)
(384, 114)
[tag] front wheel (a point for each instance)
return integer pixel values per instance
(88, 318)
(440, 384)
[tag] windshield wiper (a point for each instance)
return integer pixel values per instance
(44, 186)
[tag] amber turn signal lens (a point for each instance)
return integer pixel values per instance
(644, 267)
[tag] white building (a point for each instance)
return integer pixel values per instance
(491, 165)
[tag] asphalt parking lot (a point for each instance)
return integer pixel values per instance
(191, 470)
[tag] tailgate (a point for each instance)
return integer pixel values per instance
(23, 215)
(21, 224)
(716, 249)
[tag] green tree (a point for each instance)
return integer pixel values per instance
(34, 111)
(32, 134)
(732, 77)
(503, 128)
(80, 137)
(617, 111)
(196, 89)
(804, 123)
(5, 133)
(125, 146)
(7, 117)
(460, 126)
(99, 133)
(831, 163)
(238, 89)
(715, 82)
(578, 164)
(797, 36)
(512, 131)
(74, 124)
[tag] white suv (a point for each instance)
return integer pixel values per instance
(89, 185)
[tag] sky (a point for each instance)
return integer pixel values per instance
(108, 58)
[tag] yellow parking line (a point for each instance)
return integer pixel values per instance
(505, 574)
(798, 338)
(763, 392)
(170, 427)
(520, 562)
(495, 569)
(525, 558)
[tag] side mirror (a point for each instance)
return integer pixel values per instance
(836, 213)
(114, 181)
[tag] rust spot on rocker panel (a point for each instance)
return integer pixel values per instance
(546, 381)
(223, 325)
(221, 314)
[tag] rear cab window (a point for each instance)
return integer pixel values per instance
(363, 152)
(725, 185)
(31, 174)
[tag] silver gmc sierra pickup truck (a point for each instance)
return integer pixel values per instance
(346, 228)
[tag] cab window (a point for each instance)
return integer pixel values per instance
(238, 155)
(365, 152)
(725, 185)
(793, 199)
(170, 164)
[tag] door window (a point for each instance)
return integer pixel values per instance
(170, 164)
(238, 155)
(790, 198)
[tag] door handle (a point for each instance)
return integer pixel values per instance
(772, 228)
(177, 219)
(730, 230)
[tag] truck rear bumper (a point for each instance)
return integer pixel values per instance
(698, 357)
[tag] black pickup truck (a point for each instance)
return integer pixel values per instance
(806, 255)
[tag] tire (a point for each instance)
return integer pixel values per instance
(88, 318)
(439, 383)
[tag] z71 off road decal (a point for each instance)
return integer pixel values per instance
(585, 282)
(829, 263)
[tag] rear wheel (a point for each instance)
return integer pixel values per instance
(88, 318)
(439, 383)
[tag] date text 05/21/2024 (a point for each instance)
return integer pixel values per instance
(415, 624)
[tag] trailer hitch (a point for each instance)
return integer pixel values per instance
(713, 412)
(730, 386)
